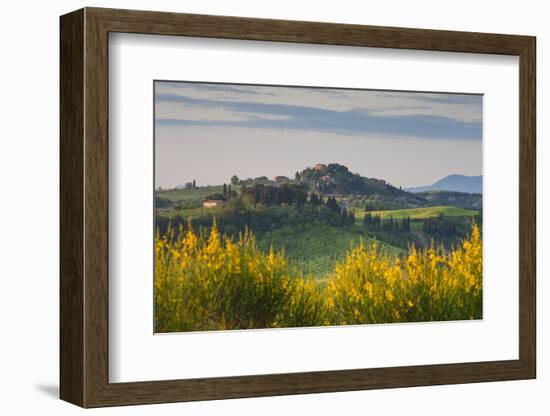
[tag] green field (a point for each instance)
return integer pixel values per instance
(421, 213)
(315, 249)
(192, 194)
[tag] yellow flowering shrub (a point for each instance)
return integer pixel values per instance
(209, 282)
(206, 281)
(426, 285)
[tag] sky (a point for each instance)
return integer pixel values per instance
(208, 132)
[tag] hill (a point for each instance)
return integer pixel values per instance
(455, 183)
(337, 179)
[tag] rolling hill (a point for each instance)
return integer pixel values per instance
(421, 213)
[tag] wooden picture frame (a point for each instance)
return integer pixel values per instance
(84, 207)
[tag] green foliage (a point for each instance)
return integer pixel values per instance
(161, 202)
(439, 226)
(286, 194)
(217, 196)
(238, 215)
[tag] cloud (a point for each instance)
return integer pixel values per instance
(165, 110)
(321, 109)
(460, 107)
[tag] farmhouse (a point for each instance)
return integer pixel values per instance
(213, 202)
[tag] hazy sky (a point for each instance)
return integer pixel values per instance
(208, 132)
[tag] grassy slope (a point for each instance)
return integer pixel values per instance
(420, 213)
(197, 194)
(315, 249)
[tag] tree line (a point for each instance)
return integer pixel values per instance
(374, 222)
(439, 226)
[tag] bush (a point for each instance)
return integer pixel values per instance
(427, 285)
(206, 281)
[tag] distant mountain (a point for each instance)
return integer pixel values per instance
(454, 183)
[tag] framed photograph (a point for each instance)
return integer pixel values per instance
(255, 207)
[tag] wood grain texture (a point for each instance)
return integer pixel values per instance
(96, 208)
(84, 205)
(527, 208)
(71, 208)
(225, 27)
